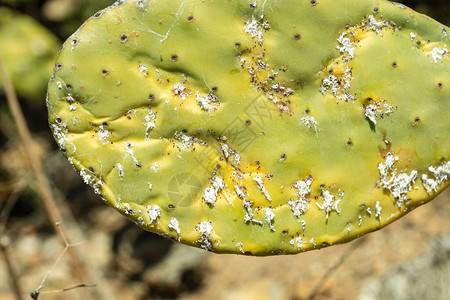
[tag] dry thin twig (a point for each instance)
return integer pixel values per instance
(35, 294)
(8, 206)
(316, 289)
(36, 165)
(25, 135)
(69, 288)
(4, 242)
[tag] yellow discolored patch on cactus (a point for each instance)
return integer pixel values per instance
(257, 127)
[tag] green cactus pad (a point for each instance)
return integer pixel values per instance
(257, 127)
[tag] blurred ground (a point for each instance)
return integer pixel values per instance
(409, 259)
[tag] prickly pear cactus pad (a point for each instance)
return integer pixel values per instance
(257, 127)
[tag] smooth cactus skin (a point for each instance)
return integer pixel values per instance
(29, 51)
(257, 127)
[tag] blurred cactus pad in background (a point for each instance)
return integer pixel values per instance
(29, 50)
(257, 127)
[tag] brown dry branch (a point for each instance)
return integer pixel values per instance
(7, 206)
(4, 249)
(36, 166)
(5, 209)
